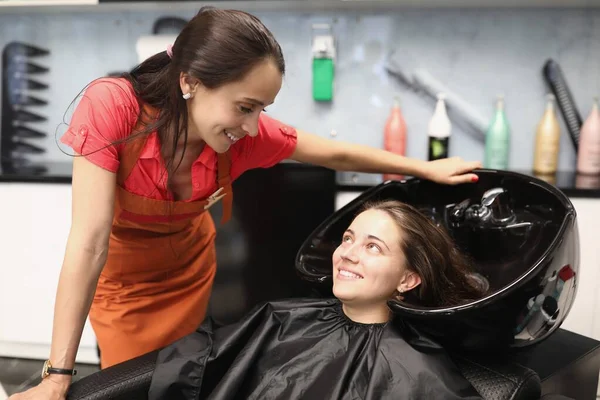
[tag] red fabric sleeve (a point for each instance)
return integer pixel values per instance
(274, 143)
(106, 113)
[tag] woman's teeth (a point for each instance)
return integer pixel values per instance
(231, 137)
(349, 274)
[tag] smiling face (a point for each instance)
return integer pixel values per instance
(222, 116)
(369, 265)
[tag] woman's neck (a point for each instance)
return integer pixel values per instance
(367, 314)
(194, 143)
(194, 137)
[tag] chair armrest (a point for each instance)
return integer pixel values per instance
(129, 380)
(500, 380)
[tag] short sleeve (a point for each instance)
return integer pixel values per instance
(274, 143)
(105, 114)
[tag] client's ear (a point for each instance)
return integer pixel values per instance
(409, 281)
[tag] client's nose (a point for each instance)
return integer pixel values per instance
(350, 253)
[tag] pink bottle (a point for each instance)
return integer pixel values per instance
(588, 154)
(395, 136)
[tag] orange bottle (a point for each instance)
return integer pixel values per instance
(395, 135)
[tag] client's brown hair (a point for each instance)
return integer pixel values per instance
(430, 252)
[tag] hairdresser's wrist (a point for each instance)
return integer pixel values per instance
(417, 168)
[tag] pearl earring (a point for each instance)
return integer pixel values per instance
(187, 96)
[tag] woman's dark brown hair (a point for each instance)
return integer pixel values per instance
(429, 251)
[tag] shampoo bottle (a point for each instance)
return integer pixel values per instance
(547, 140)
(395, 135)
(588, 154)
(439, 131)
(497, 139)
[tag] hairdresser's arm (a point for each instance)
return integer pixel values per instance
(342, 156)
(93, 192)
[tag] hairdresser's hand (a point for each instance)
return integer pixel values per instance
(451, 171)
(48, 389)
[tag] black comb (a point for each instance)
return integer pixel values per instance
(556, 81)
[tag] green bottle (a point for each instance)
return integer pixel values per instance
(323, 72)
(497, 139)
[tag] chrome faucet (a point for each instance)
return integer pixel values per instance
(497, 202)
(494, 208)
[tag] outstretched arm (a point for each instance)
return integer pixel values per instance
(343, 156)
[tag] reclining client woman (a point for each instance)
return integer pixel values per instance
(347, 347)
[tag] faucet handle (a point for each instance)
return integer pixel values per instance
(489, 196)
(498, 202)
(457, 213)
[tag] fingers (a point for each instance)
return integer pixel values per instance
(464, 178)
(461, 165)
(467, 166)
(454, 171)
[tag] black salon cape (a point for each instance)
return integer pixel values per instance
(305, 349)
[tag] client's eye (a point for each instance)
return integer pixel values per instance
(346, 239)
(374, 247)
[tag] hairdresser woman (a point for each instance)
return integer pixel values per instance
(159, 147)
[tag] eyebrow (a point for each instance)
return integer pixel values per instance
(370, 237)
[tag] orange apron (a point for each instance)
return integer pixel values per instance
(156, 284)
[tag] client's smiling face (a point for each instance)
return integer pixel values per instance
(369, 265)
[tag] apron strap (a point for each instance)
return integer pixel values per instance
(224, 181)
(129, 156)
(133, 147)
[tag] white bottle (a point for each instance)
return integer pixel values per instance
(439, 130)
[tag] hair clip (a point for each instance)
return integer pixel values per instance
(170, 50)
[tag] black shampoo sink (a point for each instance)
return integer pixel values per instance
(521, 233)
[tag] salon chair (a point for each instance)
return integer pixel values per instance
(130, 380)
(521, 233)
